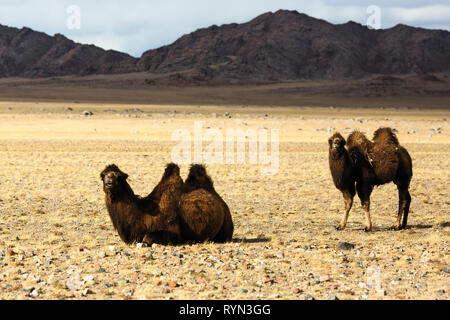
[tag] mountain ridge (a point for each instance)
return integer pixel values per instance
(280, 46)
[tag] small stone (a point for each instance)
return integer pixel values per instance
(309, 297)
(446, 270)
(345, 246)
(324, 278)
(333, 298)
(34, 293)
(87, 113)
(10, 252)
(100, 269)
(28, 290)
(173, 284)
(421, 285)
(297, 291)
(87, 291)
(382, 292)
(244, 290)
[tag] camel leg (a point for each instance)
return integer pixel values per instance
(406, 212)
(366, 207)
(348, 199)
(364, 191)
(170, 236)
(403, 207)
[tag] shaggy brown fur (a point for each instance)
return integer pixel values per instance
(204, 214)
(153, 219)
(373, 163)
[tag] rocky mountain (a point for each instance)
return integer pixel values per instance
(285, 45)
(28, 53)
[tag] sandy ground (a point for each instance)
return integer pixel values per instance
(57, 242)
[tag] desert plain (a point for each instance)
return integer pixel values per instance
(57, 241)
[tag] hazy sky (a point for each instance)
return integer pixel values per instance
(134, 26)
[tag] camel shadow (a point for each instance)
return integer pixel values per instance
(444, 224)
(419, 226)
(254, 240)
(409, 227)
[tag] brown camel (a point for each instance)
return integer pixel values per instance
(173, 213)
(153, 219)
(368, 164)
(204, 214)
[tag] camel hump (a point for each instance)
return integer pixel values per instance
(357, 138)
(385, 135)
(198, 178)
(171, 169)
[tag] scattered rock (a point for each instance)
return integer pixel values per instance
(88, 113)
(309, 297)
(382, 292)
(173, 284)
(345, 245)
(74, 282)
(333, 298)
(87, 291)
(10, 252)
(149, 255)
(434, 131)
(297, 291)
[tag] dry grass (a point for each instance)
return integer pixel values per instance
(52, 214)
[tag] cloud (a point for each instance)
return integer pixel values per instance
(134, 26)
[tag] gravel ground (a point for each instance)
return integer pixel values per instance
(57, 242)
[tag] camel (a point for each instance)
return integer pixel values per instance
(204, 214)
(368, 164)
(173, 213)
(153, 219)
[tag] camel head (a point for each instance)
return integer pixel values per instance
(112, 178)
(337, 142)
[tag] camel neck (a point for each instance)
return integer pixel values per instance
(338, 154)
(125, 194)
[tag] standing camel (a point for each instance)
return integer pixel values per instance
(368, 164)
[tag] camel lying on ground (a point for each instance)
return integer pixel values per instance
(173, 213)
